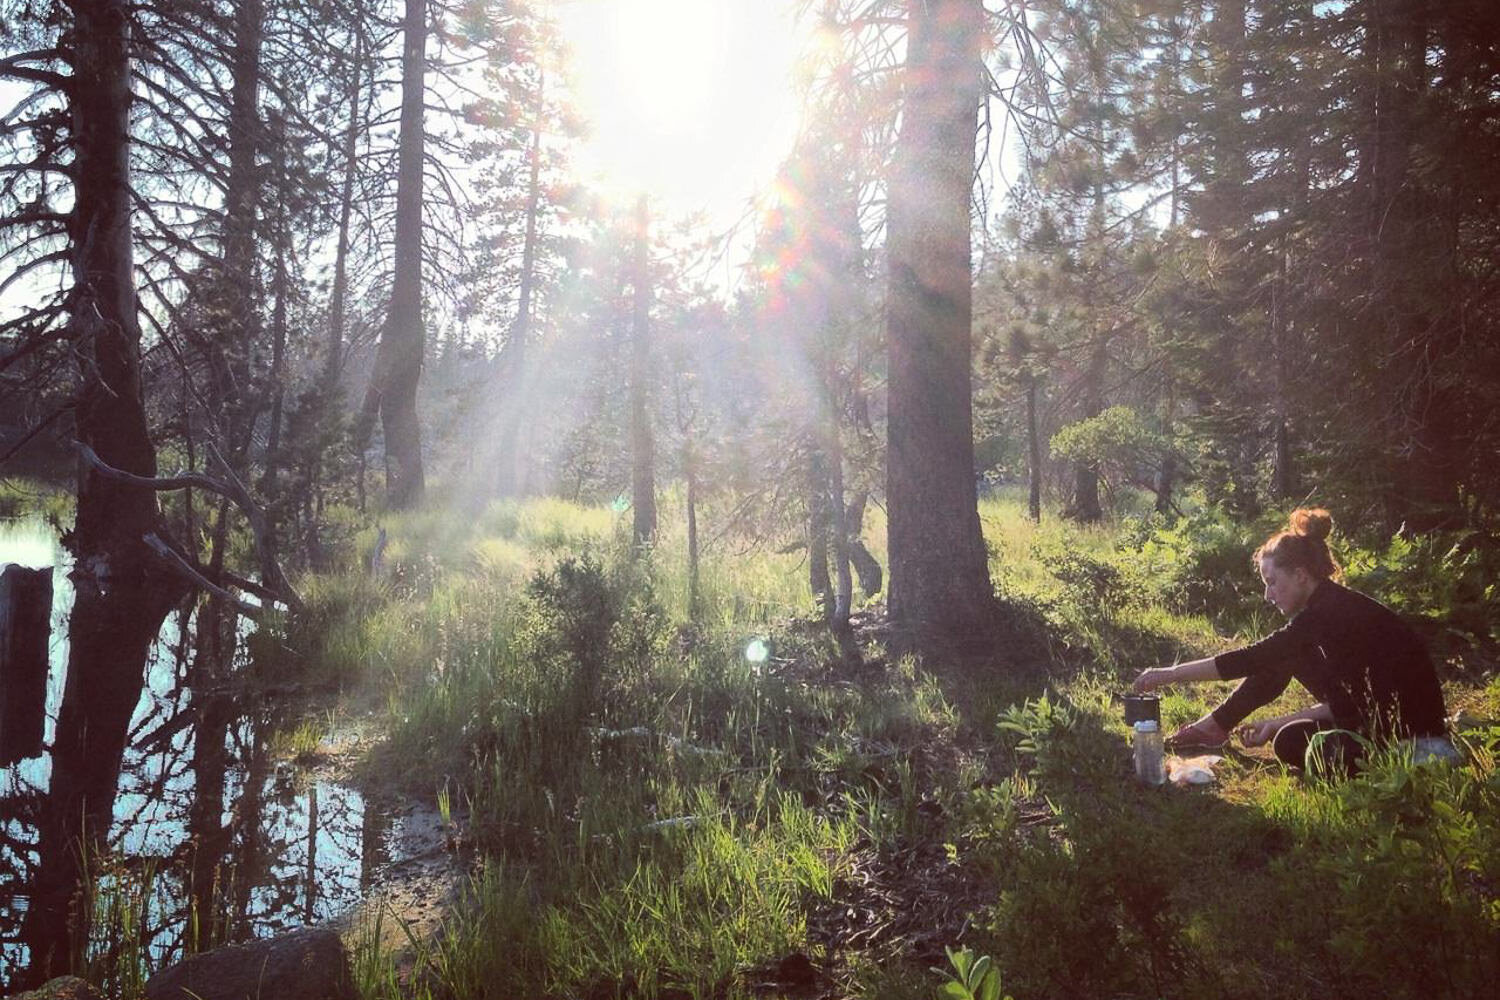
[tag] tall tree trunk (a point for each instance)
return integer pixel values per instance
(237, 402)
(818, 529)
(871, 577)
(1424, 423)
(229, 350)
(642, 446)
(939, 576)
(690, 473)
(1166, 475)
(1033, 454)
(1283, 471)
(513, 373)
(281, 289)
(121, 597)
(1283, 482)
(1086, 506)
(398, 360)
(334, 360)
(843, 595)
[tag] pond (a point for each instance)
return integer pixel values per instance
(228, 822)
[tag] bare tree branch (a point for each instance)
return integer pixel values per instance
(185, 569)
(35, 430)
(232, 490)
(13, 68)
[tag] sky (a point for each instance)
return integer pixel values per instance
(688, 101)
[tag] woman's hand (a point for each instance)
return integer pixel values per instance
(1150, 680)
(1206, 734)
(1256, 733)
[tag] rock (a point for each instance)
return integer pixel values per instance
(308, 964)
(62, 988)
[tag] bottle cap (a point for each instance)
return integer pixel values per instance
(1146, 726)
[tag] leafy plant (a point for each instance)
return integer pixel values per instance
(972, 978)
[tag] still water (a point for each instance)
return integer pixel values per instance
(218, 830)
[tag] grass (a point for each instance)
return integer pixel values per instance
(21, 497)
(658, 816)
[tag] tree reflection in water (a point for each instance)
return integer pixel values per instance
(213, 840)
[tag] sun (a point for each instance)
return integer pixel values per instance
(669, 52)
(688, 101)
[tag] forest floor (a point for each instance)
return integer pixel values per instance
(422, 883)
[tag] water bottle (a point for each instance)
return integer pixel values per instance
(1150, 765)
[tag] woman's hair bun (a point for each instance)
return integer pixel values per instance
(1313, 522)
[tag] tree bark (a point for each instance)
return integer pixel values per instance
(398, 360)
(939, 576)
(121, 594)
(843, 595)
(238, 285)
(281, 290)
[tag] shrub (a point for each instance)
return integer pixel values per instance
(1203, 566)
(1448, 578)
(1406, 870)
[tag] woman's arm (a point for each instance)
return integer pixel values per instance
(1256, 733)
(1193, 670)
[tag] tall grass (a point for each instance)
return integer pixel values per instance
(657, 809)
(659, 815)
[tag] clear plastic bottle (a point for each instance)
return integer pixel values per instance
(1150, 762)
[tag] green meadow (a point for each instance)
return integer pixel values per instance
(676, 796)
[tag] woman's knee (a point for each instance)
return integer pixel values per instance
(1291, 742)
(1334, 753)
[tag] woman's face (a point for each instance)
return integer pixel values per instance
(1287, 589)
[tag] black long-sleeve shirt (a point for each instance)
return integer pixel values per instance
(1354, 654)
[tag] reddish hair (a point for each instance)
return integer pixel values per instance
(1303, 545)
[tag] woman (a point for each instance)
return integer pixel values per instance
(1369, 671)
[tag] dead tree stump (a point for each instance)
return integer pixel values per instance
(25, 627)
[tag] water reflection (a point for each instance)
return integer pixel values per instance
(213, 838)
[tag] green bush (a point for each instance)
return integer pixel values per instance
(1202, 566)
